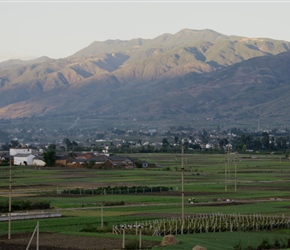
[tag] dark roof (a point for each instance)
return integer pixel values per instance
(61, 157)
(98, 159)
(22, 155)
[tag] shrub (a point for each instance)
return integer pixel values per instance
(264, 245)
(238, 246)
(24, 205)
(90, 229)
(277, 243)
(132, 244)
(114, 203)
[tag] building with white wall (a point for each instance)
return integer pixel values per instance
(23, 159)
(15, 151)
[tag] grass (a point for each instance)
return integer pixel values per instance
(227, 240)
(265, 178)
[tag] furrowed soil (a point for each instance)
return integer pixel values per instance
(53, 241)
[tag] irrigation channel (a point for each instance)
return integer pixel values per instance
(206, 223)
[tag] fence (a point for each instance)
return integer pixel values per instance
(205, 223)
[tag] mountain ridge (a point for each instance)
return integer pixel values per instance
(146, 76)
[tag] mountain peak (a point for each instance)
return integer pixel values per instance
(204, 34)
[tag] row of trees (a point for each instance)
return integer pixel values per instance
(241, 143)
(264, 142)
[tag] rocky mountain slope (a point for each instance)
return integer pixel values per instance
(191, 72)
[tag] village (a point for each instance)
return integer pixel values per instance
(29, 157)
(109, 149)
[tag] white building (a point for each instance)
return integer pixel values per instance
(37, 161)
(15, 151)
(23, 159)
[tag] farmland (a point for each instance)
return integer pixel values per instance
(229, 185)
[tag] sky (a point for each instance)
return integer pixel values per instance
(57, 29)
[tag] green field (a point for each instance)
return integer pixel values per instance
(256, 184)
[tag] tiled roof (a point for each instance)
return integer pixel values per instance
(22, 155)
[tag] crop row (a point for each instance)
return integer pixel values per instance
(114, 190)
(205, 223)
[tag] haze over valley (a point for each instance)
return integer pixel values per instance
(182, 77)
(194, 78)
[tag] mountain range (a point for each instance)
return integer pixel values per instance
(193, 74)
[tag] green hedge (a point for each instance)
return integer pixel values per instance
(116, 190)
(24, 205)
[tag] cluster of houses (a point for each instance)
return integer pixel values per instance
(95, 160)
(22, 156)
(28, 157)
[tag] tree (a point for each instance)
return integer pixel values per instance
(165, 142)
(176, 139)
(265, 140)
(51, 147)
(281, 143)
(204, 136)
(68, 143)
(257, 144)
(14, 144)
(245, 142)
(5, 147)
(223, 142)
(186, 143)
(74, 144)
(49, 156)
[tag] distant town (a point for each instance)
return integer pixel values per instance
(108, 149)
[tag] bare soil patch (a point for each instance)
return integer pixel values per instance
(54, 241)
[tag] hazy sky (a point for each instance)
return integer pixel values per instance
(60, 28)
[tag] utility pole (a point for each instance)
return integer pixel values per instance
(123, 239)
(228, 159)
(102, 216)
(227, 167)
(140, 238)
(182, 188)
(225, 174)
(10, 193)
(235, 174)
